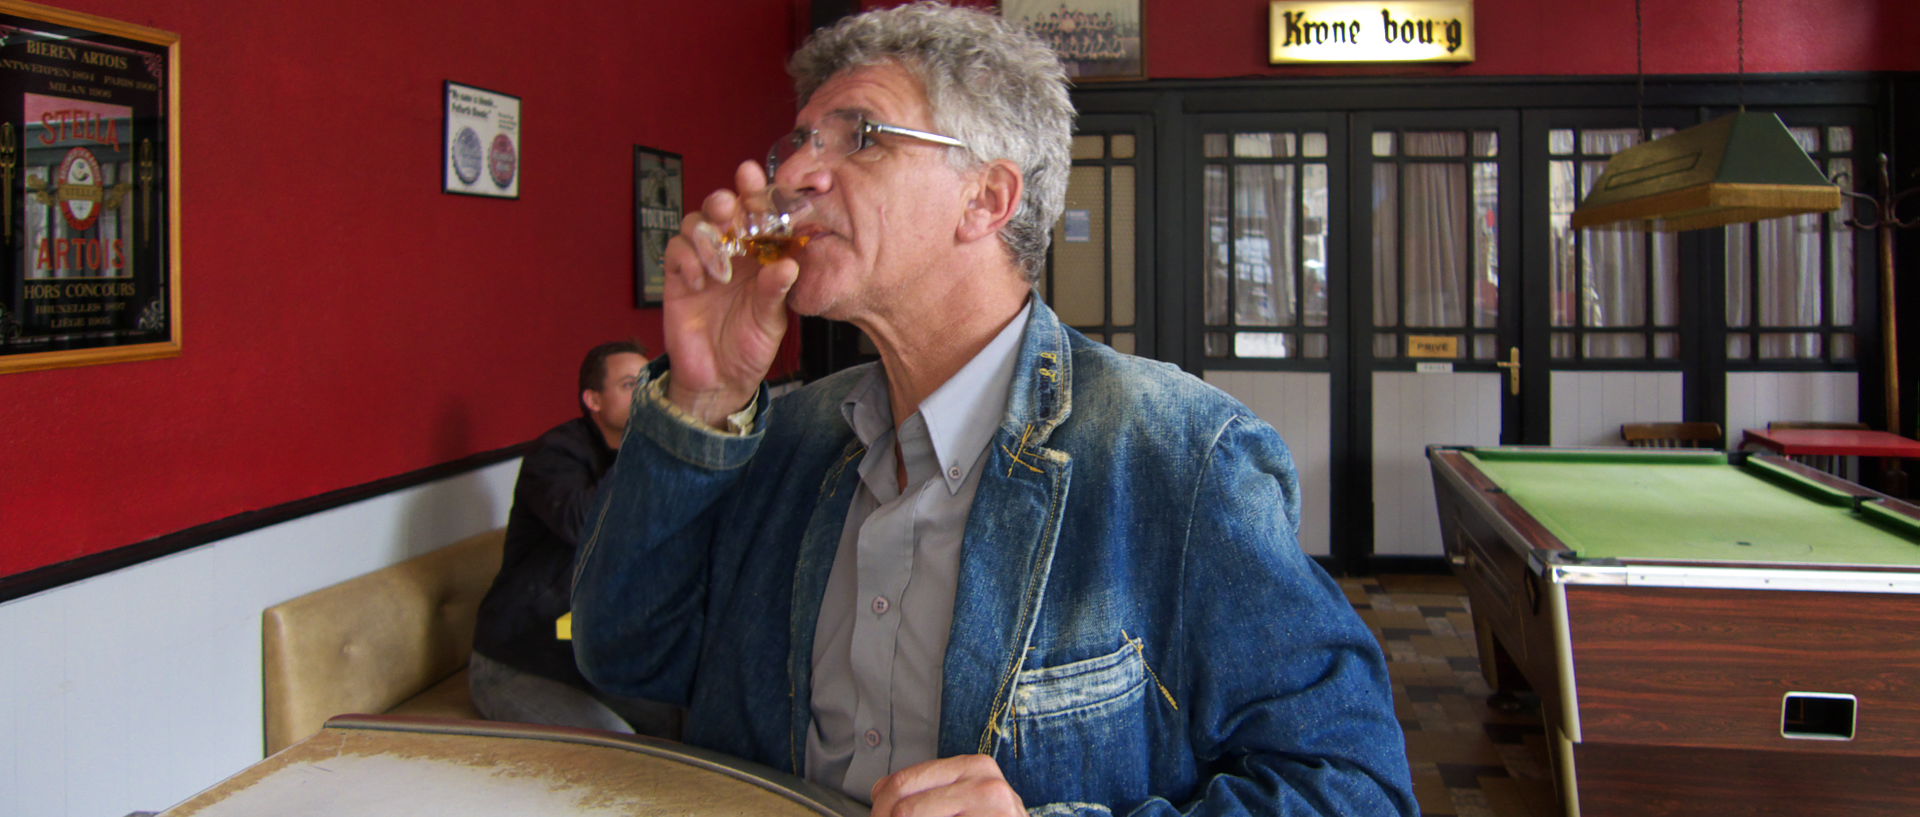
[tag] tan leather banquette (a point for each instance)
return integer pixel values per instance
(392, 641)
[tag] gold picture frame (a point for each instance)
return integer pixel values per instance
(89, 190)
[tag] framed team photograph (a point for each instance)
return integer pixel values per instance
(1097, 39)
(656, 218)
(481, 155)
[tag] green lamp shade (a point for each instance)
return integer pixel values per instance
(1738, 168)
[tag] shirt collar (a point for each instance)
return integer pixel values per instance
(866, 409)
(961, 415)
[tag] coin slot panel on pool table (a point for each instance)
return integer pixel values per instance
(1817, 715)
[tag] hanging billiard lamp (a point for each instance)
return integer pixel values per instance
(1740, 167)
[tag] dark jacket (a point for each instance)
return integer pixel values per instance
(551, 501)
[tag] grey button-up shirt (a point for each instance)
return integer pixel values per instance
(880, 643)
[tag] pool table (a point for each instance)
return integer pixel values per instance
(1707, 632)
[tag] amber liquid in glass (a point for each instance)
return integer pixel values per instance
(772, 247)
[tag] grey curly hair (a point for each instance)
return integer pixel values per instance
(990, 84)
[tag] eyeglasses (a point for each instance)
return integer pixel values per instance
(843, 134)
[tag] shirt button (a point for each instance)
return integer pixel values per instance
(881, 605)
(873, 737)
(953, 472)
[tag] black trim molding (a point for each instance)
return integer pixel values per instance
(89, 566)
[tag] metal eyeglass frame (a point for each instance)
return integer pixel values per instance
(865, 127)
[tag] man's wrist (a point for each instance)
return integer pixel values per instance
(715, 413)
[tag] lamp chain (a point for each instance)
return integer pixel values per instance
(1639, 72)
(1741, 28)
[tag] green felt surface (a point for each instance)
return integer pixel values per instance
(1637, 506)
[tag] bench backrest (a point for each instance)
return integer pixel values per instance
(1672, 435)
(373, 641)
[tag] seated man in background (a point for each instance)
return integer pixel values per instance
(1005, 568)
(520, 670)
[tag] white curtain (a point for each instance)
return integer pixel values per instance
(1774, 275)
(1787, 277)
(1219, 228)
(1435, 221)
(1263, 217)
(1774, 266)
(1386, 247)
(1561, 191)
(1613, 264)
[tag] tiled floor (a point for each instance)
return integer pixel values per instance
(1469, 759)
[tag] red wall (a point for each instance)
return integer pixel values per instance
(344, 320)
(1192, 39)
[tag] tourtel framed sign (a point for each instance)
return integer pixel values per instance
(89, 190)
(657, 208)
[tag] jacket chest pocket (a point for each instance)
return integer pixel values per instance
(1081, 727)
(1082, 689)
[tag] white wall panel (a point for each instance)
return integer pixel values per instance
(133, 690)
(1410, 412)
(34, 748)
(1299, 406)
(1589, 407)
(1757, 398)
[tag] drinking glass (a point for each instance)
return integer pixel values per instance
(768, 232)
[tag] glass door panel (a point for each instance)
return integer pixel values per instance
(1093, 276)
(1266, 199)
(1435, 333)
(1615, 293)
(1268, 273)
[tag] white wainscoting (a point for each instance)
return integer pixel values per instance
(1299, 406)
(1590, 407)
(1757, 398)
(133, 690)
(1410, 411)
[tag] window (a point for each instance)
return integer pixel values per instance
(1616, 292)
(1266, 220)
(1091, 278)
(1436, 260)
(1790, 281)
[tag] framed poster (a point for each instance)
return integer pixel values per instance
(1097, 39)
(89, 190)
(481, 156)
(656, 218)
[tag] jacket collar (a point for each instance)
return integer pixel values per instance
(1041, 397)
(1007, 553)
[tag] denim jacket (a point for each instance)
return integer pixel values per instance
(1135, 628)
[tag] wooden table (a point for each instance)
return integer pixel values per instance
(390, 766)
(1836, 442)
(1831, 442)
